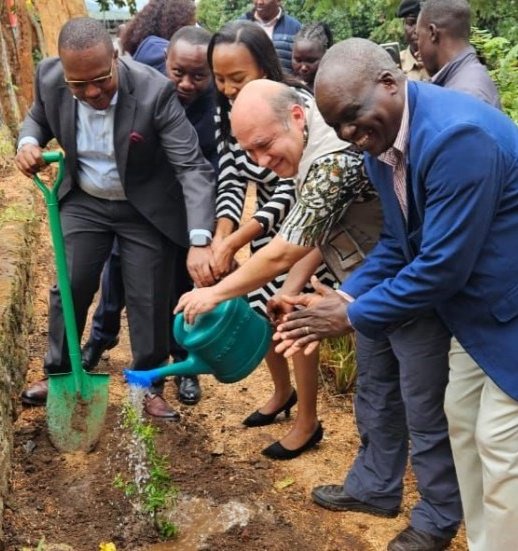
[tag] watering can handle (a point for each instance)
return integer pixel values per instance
(52, 157)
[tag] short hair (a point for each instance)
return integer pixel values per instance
(363, 60)
(159, 18)
(316, 32)
(454, 16)
(282, 101)
(81, 33)
(192, 34)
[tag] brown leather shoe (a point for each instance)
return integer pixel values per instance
(36, 394)
(411, 539)
(155, 405)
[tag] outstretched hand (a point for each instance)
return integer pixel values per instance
(196, 302)
(324, 314)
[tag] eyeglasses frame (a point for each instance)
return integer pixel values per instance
(98, 81)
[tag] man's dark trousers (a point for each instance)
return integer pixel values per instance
(147, 258)
(106, 321)
(401, 383)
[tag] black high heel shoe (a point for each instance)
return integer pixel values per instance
(278, 451)
(258, 419)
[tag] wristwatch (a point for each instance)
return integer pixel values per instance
(200, 240)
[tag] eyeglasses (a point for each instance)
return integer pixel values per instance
(98, 82)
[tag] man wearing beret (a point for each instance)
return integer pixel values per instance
(411, 63)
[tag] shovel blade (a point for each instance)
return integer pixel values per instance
(75, 419)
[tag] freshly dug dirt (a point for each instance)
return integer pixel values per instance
(231, 497)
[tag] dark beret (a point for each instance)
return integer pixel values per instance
(408, 7)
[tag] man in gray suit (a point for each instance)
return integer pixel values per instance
(134, 170)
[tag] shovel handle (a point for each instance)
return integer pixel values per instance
(51, 193)
(51, 199)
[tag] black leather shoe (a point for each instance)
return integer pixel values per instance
(189, 391)
(156, 406)
(333, 496)
(411, 539)
(278, 451)
(94, 349)
(36, 394)
(258, 419)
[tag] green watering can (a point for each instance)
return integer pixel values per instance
(228, 342)
(77, 401)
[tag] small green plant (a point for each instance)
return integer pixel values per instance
(338, 356)
(40, 547)
(155, 490)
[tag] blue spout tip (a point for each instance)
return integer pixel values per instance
(138, 378)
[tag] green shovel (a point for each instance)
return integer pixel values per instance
(77, 401)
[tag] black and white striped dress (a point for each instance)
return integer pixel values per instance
(275, 198)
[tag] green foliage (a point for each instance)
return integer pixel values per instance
(37, 56)
(499, 17)
(374, 19)
(338, 357)
(158, 491)
(501, 58)
(105, 5)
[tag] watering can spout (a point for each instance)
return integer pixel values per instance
(188, 368)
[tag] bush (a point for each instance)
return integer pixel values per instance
(501, 58)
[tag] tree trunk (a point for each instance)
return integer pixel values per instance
(28, 31)
(53, 14)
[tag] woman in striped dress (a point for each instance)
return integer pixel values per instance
(239, 53)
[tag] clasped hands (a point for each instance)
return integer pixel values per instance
(313, 317)
(301, 321)
(207, 265)
(217, 262)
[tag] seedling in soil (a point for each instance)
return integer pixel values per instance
(152, 488)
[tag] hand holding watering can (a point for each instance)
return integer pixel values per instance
(228, 341)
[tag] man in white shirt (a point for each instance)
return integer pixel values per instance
(134, 171)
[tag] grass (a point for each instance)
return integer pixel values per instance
(338, 359)
(15, 213)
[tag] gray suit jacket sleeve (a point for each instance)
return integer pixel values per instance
(161, 167)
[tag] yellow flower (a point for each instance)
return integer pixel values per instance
(107, 546)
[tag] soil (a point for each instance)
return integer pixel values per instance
(231, 497)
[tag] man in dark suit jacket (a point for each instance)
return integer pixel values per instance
(184, 61)
(451, 225)
(134, 171)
